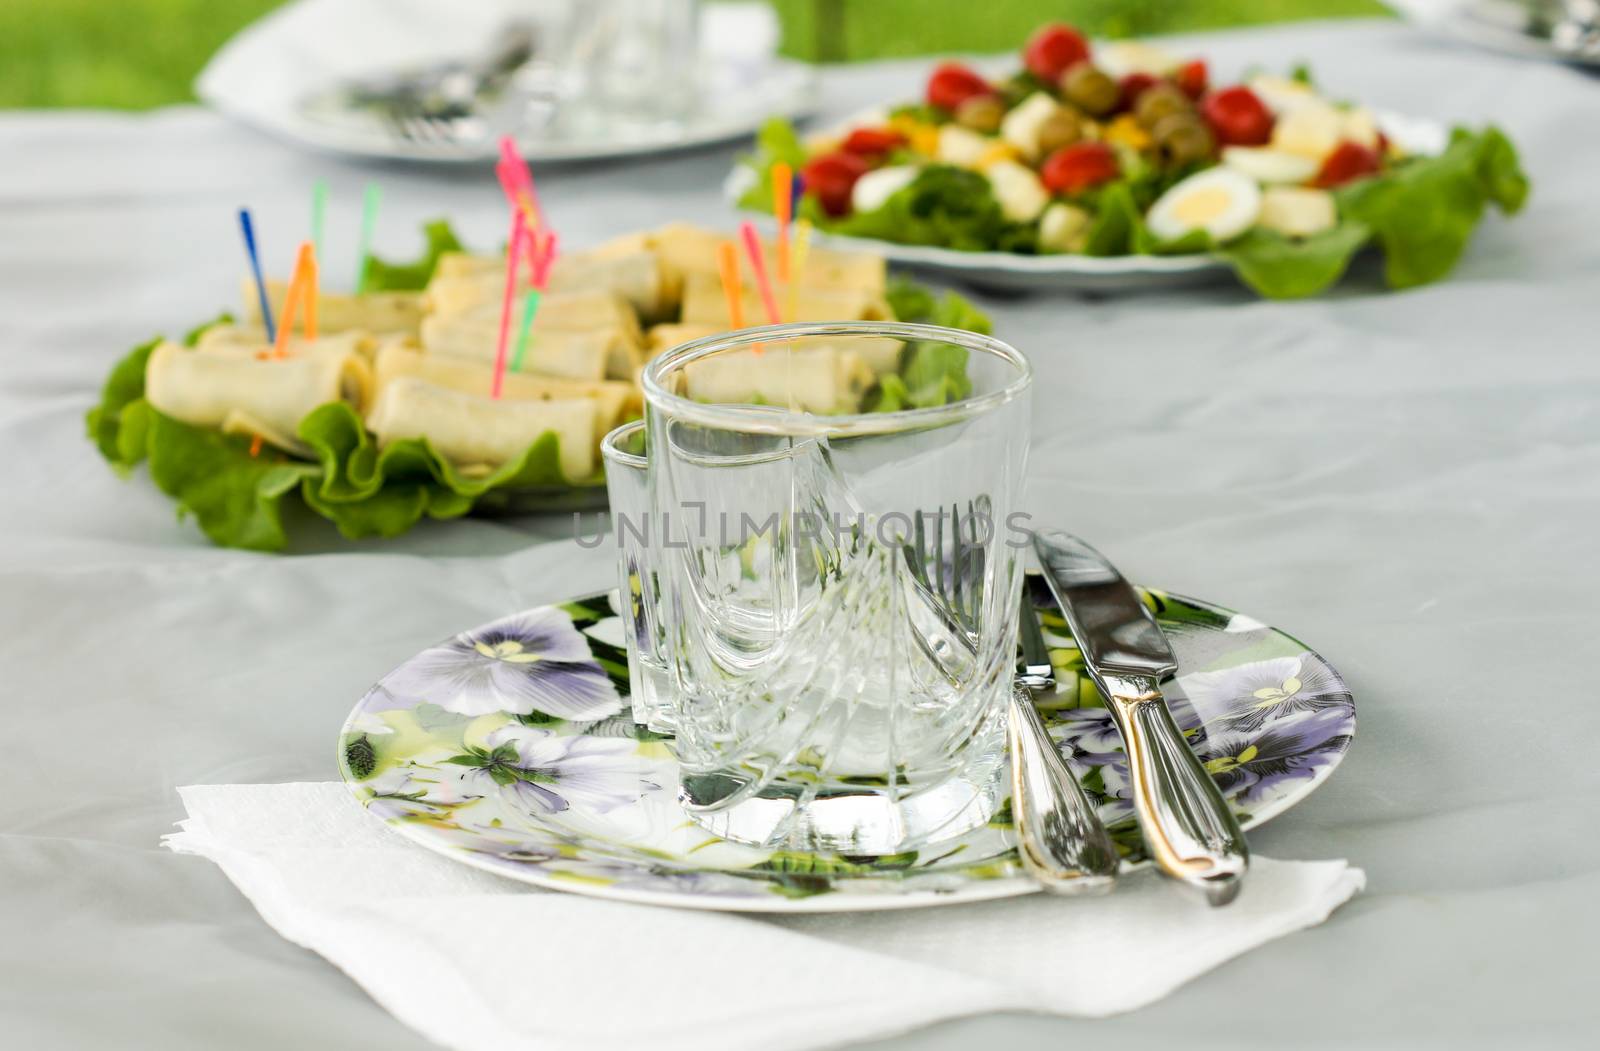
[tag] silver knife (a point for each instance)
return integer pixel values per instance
(1189, 830)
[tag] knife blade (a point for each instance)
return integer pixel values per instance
(1190, 832)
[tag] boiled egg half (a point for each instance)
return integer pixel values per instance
(1222, 202)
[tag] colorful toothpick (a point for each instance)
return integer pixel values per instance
(312, 289)
(728, 266)
(369, 224)
(783, 212)
(516, 179)
(319, 207)
(519, 230)
(544, 254)
(802, 248)
(752, 247)
(301, 283)
(255, 268)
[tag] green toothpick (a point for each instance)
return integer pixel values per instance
(319, 205)
(530, 307)
(369, 220)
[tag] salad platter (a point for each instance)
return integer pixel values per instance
(1119, 166)
(401, 404)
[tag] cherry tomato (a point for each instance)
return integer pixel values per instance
(873, 143)
(1133, 85)
(1191, 78)
(832, 177)
(1052, 50)
(1238, 117)
(1348, 161)
(952, 83)
(1078, 167)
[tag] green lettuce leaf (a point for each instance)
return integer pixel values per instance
(122, 388)
(235, 498)
(1118, 223)
(929, 373)
(777, 141)
(378, 275)
(366, 491)
(1423, 212)
(945, 207)
(1280, 267)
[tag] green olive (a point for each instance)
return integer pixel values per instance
(981, 113)
(1158, 101)
(1062, 128)
(1183, 139)
(1090, 89)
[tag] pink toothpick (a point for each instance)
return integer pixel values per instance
(752, 247)
(519, 231)
(516, 179)
(547, 259)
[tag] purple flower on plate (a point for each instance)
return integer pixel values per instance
(1249, 696)
(1249, 767)
(534, 662)
(543, 773)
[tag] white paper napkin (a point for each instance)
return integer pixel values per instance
(260, 75)
(474, 961)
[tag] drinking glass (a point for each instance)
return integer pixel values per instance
(636, 61)
(638, 589)
(840, 587)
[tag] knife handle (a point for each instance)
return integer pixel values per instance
(1060, 838)
(1188, 829)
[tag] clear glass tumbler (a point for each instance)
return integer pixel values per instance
(638, 587)
(840, 586)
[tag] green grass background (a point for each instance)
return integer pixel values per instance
(134, 54)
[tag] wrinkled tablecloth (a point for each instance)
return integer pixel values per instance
(1408, 482)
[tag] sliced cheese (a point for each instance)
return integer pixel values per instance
(1063, 228)
(1297, 211)
(961, 146)
(1022, 125)
(1020, 193)
(1311, 131)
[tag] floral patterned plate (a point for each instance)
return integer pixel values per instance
(511, 748)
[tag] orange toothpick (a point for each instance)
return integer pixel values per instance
(783, 211)
(309, 251)
(302, 284)
(728, 265)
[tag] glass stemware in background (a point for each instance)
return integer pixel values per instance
(627, 488)
(634, 62)
(840, 588)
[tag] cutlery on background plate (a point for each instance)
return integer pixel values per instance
(1188, 829)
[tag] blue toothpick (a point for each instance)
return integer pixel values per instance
(255, 267)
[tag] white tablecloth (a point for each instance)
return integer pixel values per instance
(1410, 483)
